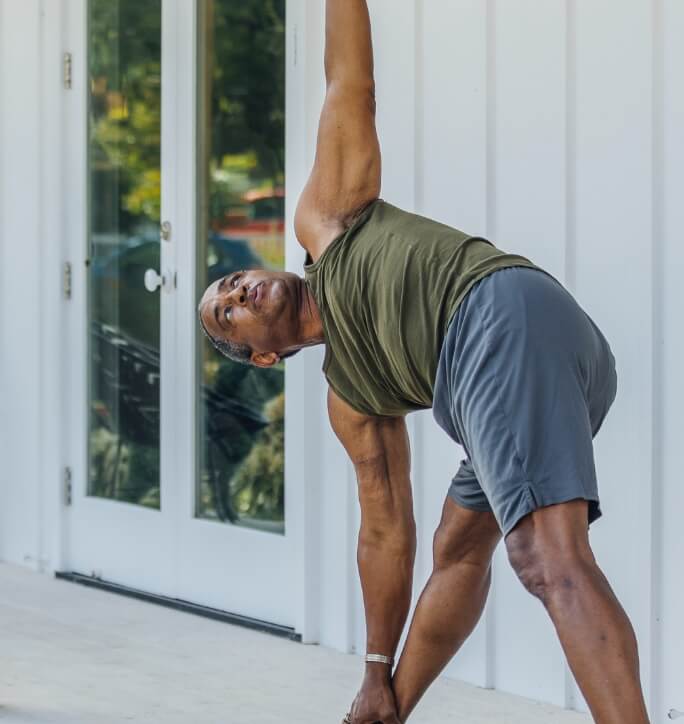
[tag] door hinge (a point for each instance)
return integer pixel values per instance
(66, 280)
(67, 486)
(66, 70)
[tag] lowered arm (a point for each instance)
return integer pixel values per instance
(379, 449)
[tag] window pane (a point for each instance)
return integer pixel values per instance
(241, 177)
(124, 96)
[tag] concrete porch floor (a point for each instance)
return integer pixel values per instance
(74, 655)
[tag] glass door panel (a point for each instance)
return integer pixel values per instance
(240, 211)
(124, 113)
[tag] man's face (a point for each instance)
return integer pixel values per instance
(255, 307)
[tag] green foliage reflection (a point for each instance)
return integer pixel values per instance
(242, 164)
(124, 124)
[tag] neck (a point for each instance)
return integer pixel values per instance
(310, 322)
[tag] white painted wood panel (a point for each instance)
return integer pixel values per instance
(454, 113)
(668, 644)
(4, 337)
(612, 256)
(21, 304)
(52, 258)
(394, 47)
(527, 147)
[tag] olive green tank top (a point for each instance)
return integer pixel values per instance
(387, 288)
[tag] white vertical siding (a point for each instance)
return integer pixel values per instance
(613, 250)
(668, 339)
(20, 295)
(30, 282)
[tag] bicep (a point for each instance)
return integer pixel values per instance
(346, 172)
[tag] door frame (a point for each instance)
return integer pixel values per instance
(99, 520)
(303, 398)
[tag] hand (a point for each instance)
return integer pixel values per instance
(375, 700)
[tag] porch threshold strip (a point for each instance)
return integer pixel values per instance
(180, 605)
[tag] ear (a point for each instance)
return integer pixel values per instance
(264, 359)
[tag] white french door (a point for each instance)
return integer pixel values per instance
(177, 148)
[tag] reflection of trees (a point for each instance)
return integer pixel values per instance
(244, 446)
(242, 83)
(238, 480)
(242, 76)
(258, 487)
(241, 149)
(124, 67)
(124, 436)
(248, 82)
(125, 77)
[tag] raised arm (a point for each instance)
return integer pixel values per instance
(379, 449)
(346, 172)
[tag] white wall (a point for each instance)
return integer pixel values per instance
(668, 348)
(30, 303)
(555, 128)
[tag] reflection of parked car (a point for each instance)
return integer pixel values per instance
(259, 219)
(260, 211)
(127, 405)
(119, 297)
(124, 345)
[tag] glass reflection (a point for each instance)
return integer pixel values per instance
(241, 204)
(124, 75)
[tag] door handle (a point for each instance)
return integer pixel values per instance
(153, 280)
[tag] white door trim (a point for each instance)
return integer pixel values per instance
(101, 522)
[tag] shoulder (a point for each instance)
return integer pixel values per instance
(316, 228)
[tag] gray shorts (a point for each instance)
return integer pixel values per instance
(524, 381)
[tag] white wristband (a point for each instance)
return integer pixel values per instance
(380, 658)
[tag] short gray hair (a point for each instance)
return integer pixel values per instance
(237, 352)
(234, 350)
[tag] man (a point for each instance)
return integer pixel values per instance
(415, 314)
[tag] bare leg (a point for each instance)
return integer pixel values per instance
(451, 602)
(549, 550)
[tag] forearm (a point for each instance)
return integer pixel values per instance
(348, 45)
(386, 572)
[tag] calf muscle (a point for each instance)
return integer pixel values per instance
(451, 602)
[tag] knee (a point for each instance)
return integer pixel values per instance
(473, 546)
(529, 566)
(446, 550)
(545, 573)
